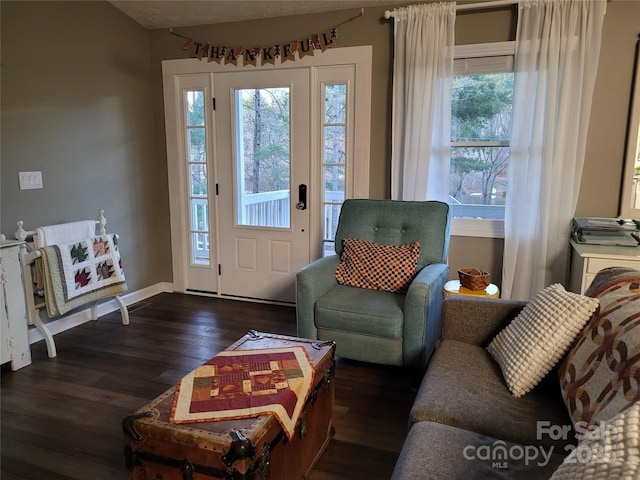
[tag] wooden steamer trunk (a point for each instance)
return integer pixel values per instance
(255, 448)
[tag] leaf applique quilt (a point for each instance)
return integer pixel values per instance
(81, 271)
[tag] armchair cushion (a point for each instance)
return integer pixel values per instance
(377, 267)
(377, 313)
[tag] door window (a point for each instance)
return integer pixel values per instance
(334, 159)
(244, 146)
(196, 142)
(263, 157)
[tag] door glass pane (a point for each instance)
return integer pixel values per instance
(197, 150)
(335, 138)
(263, 155)
(335, 103)
(196, 157)
(331, 216)
(200, 248)
(200, 214)
(198, 179)
(334, 159)
(195, 108)
(334, 184)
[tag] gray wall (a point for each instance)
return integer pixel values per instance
(77, 105)
(82, 91)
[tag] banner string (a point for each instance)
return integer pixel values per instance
(351, 19)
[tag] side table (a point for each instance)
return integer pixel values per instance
(453, 287)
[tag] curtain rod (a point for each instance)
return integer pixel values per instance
(471, 6)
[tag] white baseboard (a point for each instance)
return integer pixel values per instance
(82, 316)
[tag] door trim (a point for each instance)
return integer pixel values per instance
(261, 261)
(358, 187)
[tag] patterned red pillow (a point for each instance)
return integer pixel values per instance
(378, 267)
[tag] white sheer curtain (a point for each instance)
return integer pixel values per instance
(421, 125)
(557, 52)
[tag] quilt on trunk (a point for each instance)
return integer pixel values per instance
(246, 383)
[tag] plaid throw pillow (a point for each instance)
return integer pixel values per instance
(377, 267)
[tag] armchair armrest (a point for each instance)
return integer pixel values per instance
(476, 320)
(422, 312)
(312, 282)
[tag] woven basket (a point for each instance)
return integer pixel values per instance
(474, 279)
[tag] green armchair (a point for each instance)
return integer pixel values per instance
(372, 325)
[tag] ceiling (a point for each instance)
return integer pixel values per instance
(152, 14)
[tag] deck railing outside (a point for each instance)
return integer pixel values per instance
(268, 209)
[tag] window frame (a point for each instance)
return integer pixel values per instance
(471, 227)
(356, 76)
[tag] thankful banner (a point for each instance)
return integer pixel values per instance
(267, 55)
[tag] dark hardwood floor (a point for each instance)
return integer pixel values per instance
(61, 417)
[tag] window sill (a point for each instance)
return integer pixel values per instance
(467, 227)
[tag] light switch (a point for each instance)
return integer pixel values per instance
(30, 180)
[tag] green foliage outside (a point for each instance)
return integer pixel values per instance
(481, 112)
(266, 136)
(197, 141)
(334, 137)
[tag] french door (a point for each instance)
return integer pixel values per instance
(259, 161)
(263, 178)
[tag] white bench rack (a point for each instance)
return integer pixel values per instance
(33, 306)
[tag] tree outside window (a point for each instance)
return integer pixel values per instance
(481, 106)
(266, 133)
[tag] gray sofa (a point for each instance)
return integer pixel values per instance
(466, 424)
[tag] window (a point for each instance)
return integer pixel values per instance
(481, 106)
(334, 159)
(264, 146)
(197, 164)
(340, 172)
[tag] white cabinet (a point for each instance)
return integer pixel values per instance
(587, 260)
(14, 335)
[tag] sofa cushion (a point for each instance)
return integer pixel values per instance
(601, 374)
(611, 450)
(441, 452)
(463, 387)
(378, 267)
(360, 310)
(537, 339)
